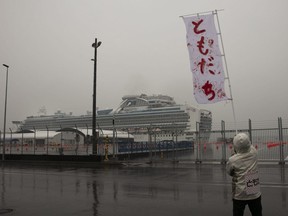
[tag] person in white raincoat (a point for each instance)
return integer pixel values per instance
(242, 166)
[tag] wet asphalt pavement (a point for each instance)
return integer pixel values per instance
(131, 189)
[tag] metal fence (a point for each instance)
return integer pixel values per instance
(271, 143)
(207, 146)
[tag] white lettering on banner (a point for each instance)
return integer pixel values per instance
(205, 59)
(252, 183)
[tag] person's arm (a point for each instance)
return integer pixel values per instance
(230, 169)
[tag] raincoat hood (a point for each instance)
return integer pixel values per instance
(241, 143)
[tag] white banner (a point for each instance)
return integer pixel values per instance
(205, 59)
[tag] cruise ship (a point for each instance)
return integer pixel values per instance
(138, 115)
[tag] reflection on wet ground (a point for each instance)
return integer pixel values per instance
(132, 189)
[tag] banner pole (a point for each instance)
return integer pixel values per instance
(227, 73)
(200, 13)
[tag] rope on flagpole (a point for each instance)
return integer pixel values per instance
(226, 67)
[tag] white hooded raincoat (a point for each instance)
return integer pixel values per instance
(242, 166)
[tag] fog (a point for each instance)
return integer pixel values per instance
(47, 45)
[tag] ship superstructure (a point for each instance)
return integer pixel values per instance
(137, 114)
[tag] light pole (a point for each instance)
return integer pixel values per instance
(4, 129)
(94, 134)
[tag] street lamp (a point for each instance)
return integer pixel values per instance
(4, 129)
(94, 134)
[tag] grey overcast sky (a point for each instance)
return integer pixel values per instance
(47, 44)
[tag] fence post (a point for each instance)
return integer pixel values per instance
(34, 142)
(198, 158)
(47, 146)
(281, 141)
(113, 123)
(150, 144)
(223, 161)
(22, 141)
(11, 132)
(176, 145)
(250, 130)
(155, 144)
(87, 142)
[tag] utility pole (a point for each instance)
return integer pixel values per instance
(95, 45)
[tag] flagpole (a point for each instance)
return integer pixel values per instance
(226, 67)
(206, 12)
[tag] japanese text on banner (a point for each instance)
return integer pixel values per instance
(205, 59)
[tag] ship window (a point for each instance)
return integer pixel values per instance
(131, 103)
